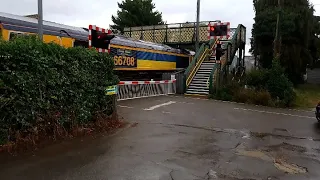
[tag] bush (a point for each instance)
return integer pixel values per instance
(46, 81)
(226, 92)
(279, 85)
(262, 97)
(251, 96)
(266, 87)
(242, 95)
(257, 78)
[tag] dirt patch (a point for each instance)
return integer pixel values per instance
(279, 163)
(289, 167)
(259, 134)
(254, 154)
(287, 137)
(287, 146)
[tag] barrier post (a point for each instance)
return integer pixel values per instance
(112, 91)
(114, 104)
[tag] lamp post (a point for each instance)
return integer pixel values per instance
(40, 20)
(197, 27)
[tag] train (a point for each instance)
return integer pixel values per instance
(148, 59)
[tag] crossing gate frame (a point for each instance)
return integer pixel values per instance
(217, 24)
(91, 27)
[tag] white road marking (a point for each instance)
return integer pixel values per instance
(159, 105)
(166, 112)
(277, 113)
(185, 102)
(125, 106)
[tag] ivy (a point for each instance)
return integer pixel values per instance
(40, 81)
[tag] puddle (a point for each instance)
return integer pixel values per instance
(278, 163)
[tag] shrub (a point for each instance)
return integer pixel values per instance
(266, 87)
(41, 80)
(251, 96)
(279, 85)
(243, 95)
(257, 78)
(226, 92)
(262, 97)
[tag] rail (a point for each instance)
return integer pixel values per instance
(141, 89)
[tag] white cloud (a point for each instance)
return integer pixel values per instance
(85, 12)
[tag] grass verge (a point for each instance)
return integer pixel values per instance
(308, 95)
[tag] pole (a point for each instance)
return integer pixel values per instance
(114, 104)
(40, 20)
(197, 27)
(277, 37)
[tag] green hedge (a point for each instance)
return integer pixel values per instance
(40, 82)
(268, 87)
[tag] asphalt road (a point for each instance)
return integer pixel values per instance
(179, 138)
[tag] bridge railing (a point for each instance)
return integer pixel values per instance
(180, 33)
(140, 89)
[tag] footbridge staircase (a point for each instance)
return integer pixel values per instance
(205, 73)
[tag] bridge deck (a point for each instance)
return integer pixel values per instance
(181, 33)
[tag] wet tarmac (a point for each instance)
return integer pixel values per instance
(179, 138)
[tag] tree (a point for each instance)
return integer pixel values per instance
(296, 33)
(314, 45)
(136, 13)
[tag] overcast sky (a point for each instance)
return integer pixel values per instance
(84, 12)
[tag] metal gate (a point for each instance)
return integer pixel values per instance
(139, 89)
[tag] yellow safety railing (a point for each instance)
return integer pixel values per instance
(198, 64)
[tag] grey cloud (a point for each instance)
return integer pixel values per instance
(98, 12)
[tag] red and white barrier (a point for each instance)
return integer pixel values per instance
(220, 37)
(94, 27)
(146, 82)
(141, 89)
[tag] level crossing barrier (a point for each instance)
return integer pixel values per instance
(140, 89)
(180, 78)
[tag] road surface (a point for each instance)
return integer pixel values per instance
(180, 138)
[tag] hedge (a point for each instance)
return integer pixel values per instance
(44, 81)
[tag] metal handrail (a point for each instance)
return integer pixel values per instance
(201, 59)
(194, 60)
(197, 66)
